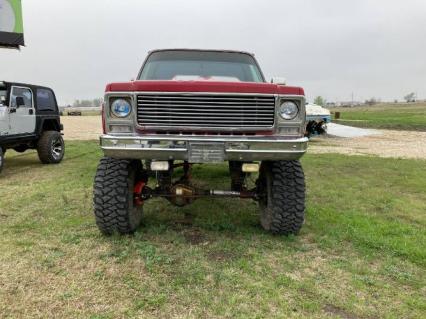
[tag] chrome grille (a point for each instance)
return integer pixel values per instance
(206, 111)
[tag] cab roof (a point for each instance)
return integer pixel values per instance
(202, 50)
(33, 86)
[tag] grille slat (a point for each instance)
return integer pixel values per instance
(206, 103)
(221, 105)
(206, 111)
(215, 125)
(191, 111)
(206, 116)
(203, 97)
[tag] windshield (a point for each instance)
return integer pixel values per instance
(201, 65)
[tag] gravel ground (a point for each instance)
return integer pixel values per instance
(338, 130)
(400, 144)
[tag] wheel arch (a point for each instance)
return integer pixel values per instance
(49, 124)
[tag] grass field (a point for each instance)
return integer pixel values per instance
(361, 253)
(386, 116)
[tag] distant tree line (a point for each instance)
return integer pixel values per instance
(409, 98)
(88, 103)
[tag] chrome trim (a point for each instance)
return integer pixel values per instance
(132, 119)
(183, 121)
(177, 147)
(218, 127)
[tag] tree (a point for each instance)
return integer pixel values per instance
(97, 102)
(410, 97)
(319, 100)
(88, 103)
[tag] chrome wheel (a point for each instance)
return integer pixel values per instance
(57, 148)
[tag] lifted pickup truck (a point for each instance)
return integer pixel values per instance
(201, 106)
(29, 119)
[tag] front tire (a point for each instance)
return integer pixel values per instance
(281, 187)
(113, 197)
(51, 147)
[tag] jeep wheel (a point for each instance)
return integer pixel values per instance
(51, 147)
(113, 196)
(281, 188)
(1, 159)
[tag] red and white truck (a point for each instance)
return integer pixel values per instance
(201, 106)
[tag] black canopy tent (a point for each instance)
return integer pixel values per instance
(11, 25)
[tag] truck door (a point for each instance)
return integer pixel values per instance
(4, 115)
(22, 119)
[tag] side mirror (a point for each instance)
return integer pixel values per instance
(279, 80)
(20, 101)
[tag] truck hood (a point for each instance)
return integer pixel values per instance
(203, 86)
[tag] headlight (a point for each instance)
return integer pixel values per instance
(121, 108)
(288, 110)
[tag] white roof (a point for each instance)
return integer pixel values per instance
(313, 109)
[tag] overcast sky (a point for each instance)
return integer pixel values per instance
(373, 48)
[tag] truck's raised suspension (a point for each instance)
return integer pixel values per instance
(182, 195)
(182, 192)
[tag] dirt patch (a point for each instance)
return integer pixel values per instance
(194, 236)
(399, 144)
(336, 311)
(82, 127)
(220, 256)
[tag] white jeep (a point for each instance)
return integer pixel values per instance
(29, 119)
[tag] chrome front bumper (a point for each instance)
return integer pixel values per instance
(203, 149)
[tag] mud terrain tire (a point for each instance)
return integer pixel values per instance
(282, 188)
(113, 196)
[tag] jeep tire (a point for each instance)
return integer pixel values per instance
(1, 158)
(113, 197)
(281, 188)
(51, 147)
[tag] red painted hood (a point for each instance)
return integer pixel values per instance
(203, 86)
